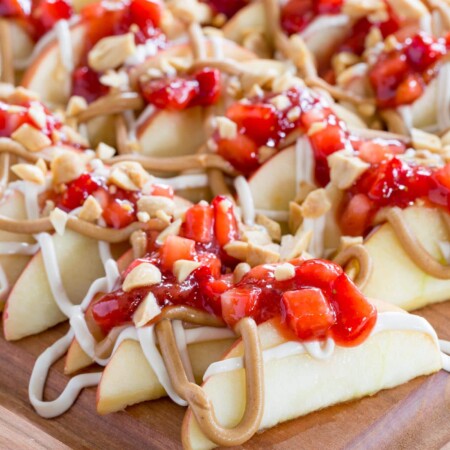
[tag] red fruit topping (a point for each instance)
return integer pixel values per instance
(226, 7)
(238, 303)
(225, 223)
(400, 76)
(175, 248)
(200, 89)
(198, 223)
(86, 83)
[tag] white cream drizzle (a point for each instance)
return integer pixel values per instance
(443, 99)
(245, 200)
(317, 226)
(65, 44)
(189, 181)
(387, 321)
(304, 162)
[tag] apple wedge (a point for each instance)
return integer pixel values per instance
(129, 379)
(32, 310)
(299, 384)
(273, 184)
(22, 44)
(13, 206)
(48, 66)
(395, 275)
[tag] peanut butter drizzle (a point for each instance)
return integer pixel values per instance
(5, 163)
(394, 122)
(87, 229)
(6, 56)
(226, 65)
(197, 39)
(365, 263)
(196, 396)
(412, 246)
(121, 135)
(177, 163)
(7, 145)
(111, 104)
(191, 315)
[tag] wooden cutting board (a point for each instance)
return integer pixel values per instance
(413, 416)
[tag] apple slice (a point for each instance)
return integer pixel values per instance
(30, 307)
(120, 387)
(13, 206)
(273, 184)
(395, 275)
(47, 66)
(425, 109)
(22, 44)
(297, 385)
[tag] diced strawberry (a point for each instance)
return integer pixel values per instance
(119, 213)
(409, 90)
(241, 152)
(198, 223)
(373, 152)
(174, 249)
(208, 87)
(86, 83)
(78, 191)
(356, 217)
(145, 13)
(48, 12)
(442, 175)
(308, 313)
(162, 190)
(356, 317)
(225, 223)
(226, 7)
(212, 261)
(238, 303)
(318, 273)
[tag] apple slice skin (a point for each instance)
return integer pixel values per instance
(395, 275)
(30, 311)
(121, 387)
(385, 360)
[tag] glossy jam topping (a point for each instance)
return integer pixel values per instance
(226, 7)
(36, 16)
(400, 76)
(296, 15)
(14, 116)
(177, 93)
(109, 18)
(318, 302)
(118, 205)
(393, 182)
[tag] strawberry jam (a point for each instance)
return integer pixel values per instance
(393, 182)
(36, 16)
(296, 15)
(199, 89)
(400, 76)
(106, 18)
(119, 205)
(318, 302)
(226, 7)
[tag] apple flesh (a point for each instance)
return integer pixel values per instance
(32, 310)
(13, 207)
(395, 275)
(299, 384)
(120, 387)
(273, 185)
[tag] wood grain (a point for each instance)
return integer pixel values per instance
(412, 416)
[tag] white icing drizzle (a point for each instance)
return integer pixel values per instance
(387, 321)
(406, 114)
(39, 375)
(245, 199)
(4, 284)
(189, 181)
(323, 23)
(65, 44)
(180, 338)
(304, 162)
(18, 248)
(317, 226)
(443, 99)
(203, 334)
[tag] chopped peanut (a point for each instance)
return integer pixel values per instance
(66, 167)
(281, 102)
(151, 204)
(257, 237)
(59, 218)
(284, 271)
(138, 241)
(295, 217)
(37, 114)
(183, 268)
(111, 52)
(31, 138)
(257, 255)
(237, 249)
(272, 227)
(145, 274)
(104, 151)
(293, 246)
(76, 105)
(316, 204)
(21, 95)
(240, 270)
(172, 230)
(345, 169)
(227, 128)
(29, 172)
(421, 140)
(91, 210)
(146, 311)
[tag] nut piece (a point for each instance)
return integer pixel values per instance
(145, 274)
(91, 210)
(147, 310)
(281, 102)
(37, 114)
(139, 241)
(345, 170)
(31, 138)
(59, 219)
(191, 11)
(111, 52)
(21, 95)
(151, 204)
(104, 151)
(172, 230)
(227, 128)
(237, 249)
(295, 217)
(316, 204)
(28, 172)
(76, 105)
(284, 271)
(129, 175)
(183, 268)
(421, 140)
(272, 227)
(294, 246)
(257, 255)
(66, 167)
(258, 237)
(239, 271)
